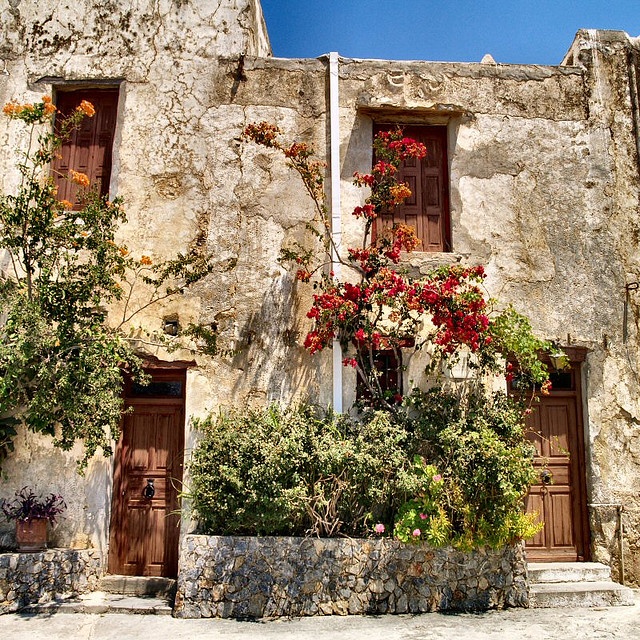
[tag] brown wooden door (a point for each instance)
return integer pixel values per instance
(559, 497)
(427, 209)
(145, 528)
(89, 149)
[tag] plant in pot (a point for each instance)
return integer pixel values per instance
(31, 514)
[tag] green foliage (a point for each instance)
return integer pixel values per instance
(425, 517)
(60, 362)
(480, 469)
(295, 471)
(474, 464)
(513, 337)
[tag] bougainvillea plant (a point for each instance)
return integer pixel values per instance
(381, 308)
(466, 454)
(60, 359)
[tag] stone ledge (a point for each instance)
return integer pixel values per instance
(250, 577)
(46, 576)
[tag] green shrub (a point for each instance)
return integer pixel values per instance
(453, 469)
(298, 471)
(480, 468)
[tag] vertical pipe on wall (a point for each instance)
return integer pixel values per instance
(336, 214)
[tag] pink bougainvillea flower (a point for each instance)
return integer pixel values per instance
(423, 516)
(379, 528)
(416, 533)
(437, 478)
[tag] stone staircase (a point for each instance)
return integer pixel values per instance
(575, 584)
(119, 594)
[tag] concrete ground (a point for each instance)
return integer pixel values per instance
(514, 624)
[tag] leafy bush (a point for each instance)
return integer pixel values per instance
(454, 470)
(480, 470)
(60, 360)
(298, 471)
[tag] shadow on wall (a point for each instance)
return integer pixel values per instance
(275, 364)
(36, 463)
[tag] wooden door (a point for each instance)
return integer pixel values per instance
(89, 149)
(427, 209)
(145, 521)
(559, 497)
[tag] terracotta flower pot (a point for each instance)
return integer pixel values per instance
(31, 534)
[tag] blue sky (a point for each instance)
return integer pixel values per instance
(512, 31)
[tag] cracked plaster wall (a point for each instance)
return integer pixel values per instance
(543, 184)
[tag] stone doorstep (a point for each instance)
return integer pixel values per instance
(575, 584)
(546, 572)
(580, 594)
(101, 602)
(138, 586)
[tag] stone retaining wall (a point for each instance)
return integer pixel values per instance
(30, 578)
(235, 577)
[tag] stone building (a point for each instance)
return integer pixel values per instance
(537, 178)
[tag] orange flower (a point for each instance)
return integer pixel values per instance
(124, 251)
(49, 108)
(86, 108)
(400, 192)
(145, 260)
(11, 108)
(66, 204)
(79, 178)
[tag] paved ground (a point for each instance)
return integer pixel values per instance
(515, 624)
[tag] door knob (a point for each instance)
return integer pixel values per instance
(546, 476)
(149, 491)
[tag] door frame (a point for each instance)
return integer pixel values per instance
(158, 370)
(577, 461)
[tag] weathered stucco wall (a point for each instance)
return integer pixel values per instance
(544, 192)
(176, 65)
(611, 69)
(543, 186)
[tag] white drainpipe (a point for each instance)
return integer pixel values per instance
(336, 214)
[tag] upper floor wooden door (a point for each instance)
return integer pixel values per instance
(427, 209)
(90, 147)
(559, 496)
(144, 532)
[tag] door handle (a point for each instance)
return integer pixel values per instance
(149, 491)
(546, 476)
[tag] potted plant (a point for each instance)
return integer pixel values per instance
(31, 514)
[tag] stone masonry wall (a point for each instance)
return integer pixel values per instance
(235, 577)
(29, 578)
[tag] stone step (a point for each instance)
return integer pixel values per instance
(138, 586)
(579, 594)
(545, 572)
(101, 602)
